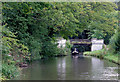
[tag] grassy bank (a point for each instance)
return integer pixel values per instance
(104, 54)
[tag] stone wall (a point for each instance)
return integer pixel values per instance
(97, 44)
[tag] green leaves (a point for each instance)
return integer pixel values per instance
(36, 23)
(35, 26)
(104, 25)
(10, 71)
(115, 42)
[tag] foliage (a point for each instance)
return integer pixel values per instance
(65, 50)
(19, 22)
(13, 53)
(103, 28)
(115, 42)
(11, 45)
(97, 52)
(9, 71)
(34, 26)
(49, 49)
(68, 47)
(104, 54)
(34, 23)
(68, 44)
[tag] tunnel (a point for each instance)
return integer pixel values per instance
(82, 47)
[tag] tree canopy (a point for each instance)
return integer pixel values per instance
(37, 24)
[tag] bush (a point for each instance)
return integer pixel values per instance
(49, 49)
(68, 45)
(115, 42)
(13, 52)
(9, 71)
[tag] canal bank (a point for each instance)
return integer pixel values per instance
(103, 54)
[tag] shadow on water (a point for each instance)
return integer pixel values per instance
(68, 68)
(80, 55)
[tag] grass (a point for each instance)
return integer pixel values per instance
(103, 54)
(113, 57)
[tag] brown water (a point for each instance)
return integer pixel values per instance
(67, 68)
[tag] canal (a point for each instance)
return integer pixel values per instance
(67, 68)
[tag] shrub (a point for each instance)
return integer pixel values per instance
(13, 52)
(9, 71)
(115, 42)
(49, 49)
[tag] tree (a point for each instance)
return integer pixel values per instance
(115, 42)
(104, 27)
(36, 23)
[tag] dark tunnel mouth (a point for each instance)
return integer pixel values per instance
(81, 47)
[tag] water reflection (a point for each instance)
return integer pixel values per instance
(67, 68)
(97, 67)
(101, 71)
(61, 68)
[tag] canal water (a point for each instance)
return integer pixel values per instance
(67, 68)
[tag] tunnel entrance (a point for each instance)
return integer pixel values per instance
(80, 45)
(81, 42)
(81, 48)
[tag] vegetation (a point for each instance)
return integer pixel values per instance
(103, 54)
(65, 50)
(39, 23)
(115, 42)
(104, 27)
(30, 30)
(13, 53)
(112, 51)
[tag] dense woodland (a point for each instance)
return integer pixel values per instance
(30, 30)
